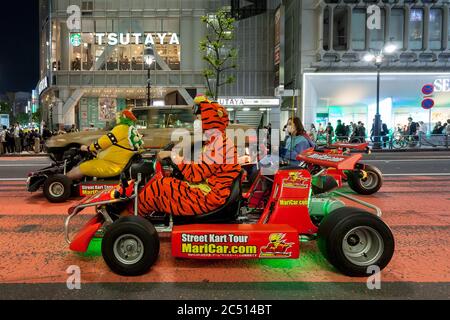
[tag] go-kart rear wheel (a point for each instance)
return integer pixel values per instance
(57, 188)
(352, 240)
(368, 184)
(130, 246)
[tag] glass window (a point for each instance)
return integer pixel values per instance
(88, 51)
(75, 59)
(137, 53)
(155, 118)
(358, 29)
(124, 57)
(377, 35)
(416, 29)
(435, 29)
(113, 55)
(397, 27)
(100, 61)
(170, 53)
(326, 29)
(340, 28)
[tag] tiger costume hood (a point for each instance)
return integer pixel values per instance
(214, 116)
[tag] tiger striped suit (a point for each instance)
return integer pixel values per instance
(207, 183)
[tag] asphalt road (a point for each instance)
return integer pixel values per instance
(391, 164)
(415, 205)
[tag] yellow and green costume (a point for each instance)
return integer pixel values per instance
(114, 151)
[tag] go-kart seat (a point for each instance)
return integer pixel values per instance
(226, 213)
(135, 158)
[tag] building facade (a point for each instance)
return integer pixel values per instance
(326, 60)
(90, 71)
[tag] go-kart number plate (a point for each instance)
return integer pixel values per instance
(235, 241)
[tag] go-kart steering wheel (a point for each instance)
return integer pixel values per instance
(176, 173)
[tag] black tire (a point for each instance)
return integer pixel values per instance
(57, 188)
(370, 185)
(331, 240)
(136, 229)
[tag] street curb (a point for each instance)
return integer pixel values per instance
(24, 155)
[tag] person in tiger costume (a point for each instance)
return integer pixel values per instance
(207, 181)
(113, 150)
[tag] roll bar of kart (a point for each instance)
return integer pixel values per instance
(83, 205)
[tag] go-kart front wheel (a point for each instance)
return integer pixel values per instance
(353, 240)
(57, 188)
(367, 182)
(130, 246)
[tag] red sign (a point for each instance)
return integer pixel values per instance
(427, 103)
(235, 241)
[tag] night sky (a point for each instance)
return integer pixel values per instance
(19, 43)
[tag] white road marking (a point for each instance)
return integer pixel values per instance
(13, 179)
(24, 165)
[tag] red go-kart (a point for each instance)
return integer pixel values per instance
(363, 178)
(267, 222)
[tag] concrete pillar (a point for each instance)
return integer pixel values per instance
(445, 22)
(65, 47)
(426, 28)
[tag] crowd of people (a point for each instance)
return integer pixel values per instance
(353, 132)
(16, 139)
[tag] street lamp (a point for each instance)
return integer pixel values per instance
(149, 58)
(377, 58)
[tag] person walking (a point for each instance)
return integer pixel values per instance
(313, 132)
(329, 131)
(17, 138)
(2, 140)
(340, 131)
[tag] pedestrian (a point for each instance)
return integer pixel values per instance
(329, 131)
(437, 128)
(447, 127)
(313, 132)
(2, 140)
(340, 131)
(384, 134)
(17, 138)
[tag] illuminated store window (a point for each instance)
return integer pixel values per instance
(358, 29)
(124, 57)
(75, 58)
(100, 61)
(377, 35)
(112, 62)
(435, 29)
(340, 29)
(87, 51)
(397, 27)
(137, 53)
(416, 29)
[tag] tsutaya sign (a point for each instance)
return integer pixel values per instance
(441, 85)
(248, 102)
(113, 39)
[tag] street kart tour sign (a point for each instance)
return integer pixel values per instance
(92, 189)
(235, 242)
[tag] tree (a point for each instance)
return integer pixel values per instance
(5, 108)
(218, 53)
(36, 116)
(22, 118)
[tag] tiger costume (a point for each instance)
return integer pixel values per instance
(207, 183)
